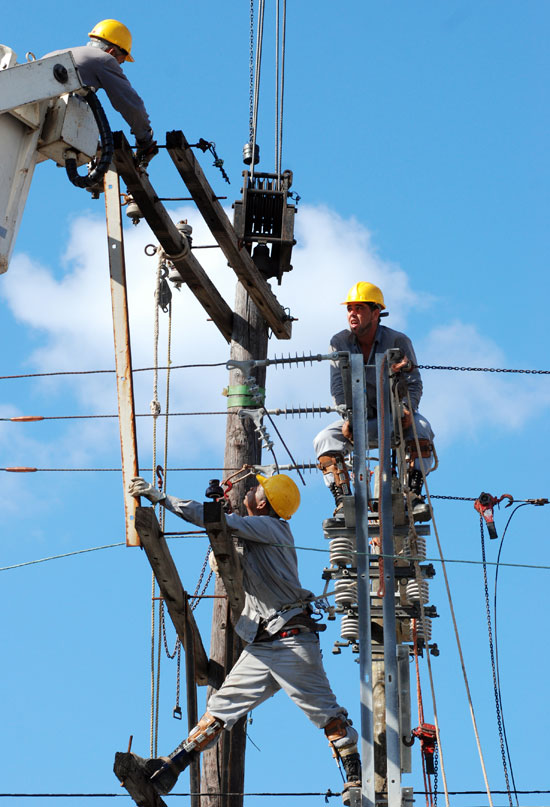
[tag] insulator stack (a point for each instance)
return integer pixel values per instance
(414, 593)
(342, 552)
(415, 547)
(349, 628)
(346, 592)
(420, 629)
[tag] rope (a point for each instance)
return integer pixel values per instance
(455, 626)
(427, 785)
(155, 411)
(162, 510)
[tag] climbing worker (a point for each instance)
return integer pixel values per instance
(98, 65)
(365, 304)
(282, 649)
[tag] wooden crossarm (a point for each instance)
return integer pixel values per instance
(221, 228)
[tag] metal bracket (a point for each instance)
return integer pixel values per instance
(256, 416)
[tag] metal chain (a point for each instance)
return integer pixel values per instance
(480, 369)
(164, 638)
(194, 598)
(493, 665)
(177, 708)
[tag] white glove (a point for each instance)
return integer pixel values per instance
(213, 563)
(139, 487)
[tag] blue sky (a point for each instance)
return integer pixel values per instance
(417, 133)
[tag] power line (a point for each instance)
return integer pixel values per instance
(92, 549)
(112, 372)
(223, 364)
(285, 546)
(326, 793)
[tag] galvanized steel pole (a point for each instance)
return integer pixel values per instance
(363, 584)
(386, 534)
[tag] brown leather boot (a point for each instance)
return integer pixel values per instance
(340, 486)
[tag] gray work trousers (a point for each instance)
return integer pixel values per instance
(293, 664)
(331, 439)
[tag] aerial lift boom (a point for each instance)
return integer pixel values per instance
(42, 116)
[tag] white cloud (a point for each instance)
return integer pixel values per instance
(463, 404)
(71, 313)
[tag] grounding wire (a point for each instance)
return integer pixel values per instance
(496, 647)
(496, 688)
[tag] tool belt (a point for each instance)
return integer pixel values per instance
(301, 623)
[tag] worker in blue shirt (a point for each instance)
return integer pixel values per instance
(98, 64)
(365, 305)
(283, 646)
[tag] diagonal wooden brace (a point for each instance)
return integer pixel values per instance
(171, 589)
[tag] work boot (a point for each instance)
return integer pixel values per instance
(336, 476)
(420, 508)
(159, 771)
(165, 775)
(352, 766)
(202, 736)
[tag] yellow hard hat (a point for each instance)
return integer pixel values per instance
(116, 33)
(364, 292)
(282, 494)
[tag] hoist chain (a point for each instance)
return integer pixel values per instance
(493, 665)
(194, 599)
(164, 639)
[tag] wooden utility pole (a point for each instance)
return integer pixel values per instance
(223, 765)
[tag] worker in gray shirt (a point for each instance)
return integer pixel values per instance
(365, 305)
(283, 647)
(98, 64)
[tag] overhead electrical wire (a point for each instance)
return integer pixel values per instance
(534, 566)
(223, 364)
